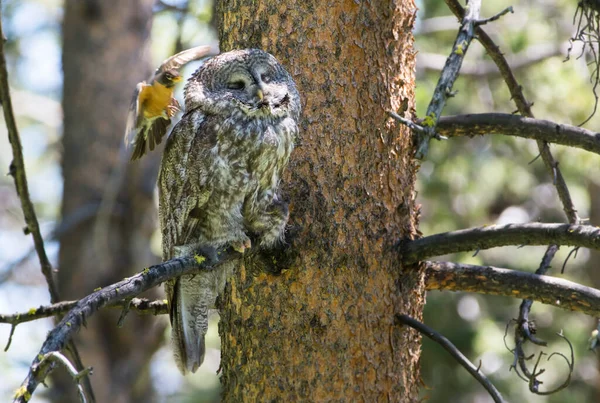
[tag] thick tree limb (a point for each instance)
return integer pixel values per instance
(500, 235)
(121, 291)
(519, 126)
(512, 283)
(454, 352)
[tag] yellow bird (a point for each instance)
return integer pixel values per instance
(153, 104)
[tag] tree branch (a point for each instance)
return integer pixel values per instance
(499, 235)
(522, 333)
(454, 352)
(140, 305)
(447, 78)
(442, 276)
(512, 283)
(524, 108)
(519, 126)
(17, 171)
(482, 68)
(121, 291)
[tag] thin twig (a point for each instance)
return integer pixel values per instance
(454, 352)
(524, 108)
(495, 17)
(140, 305)
(76, 375)
(413, 126)
(483, 68)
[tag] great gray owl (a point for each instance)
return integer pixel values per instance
(219, 178)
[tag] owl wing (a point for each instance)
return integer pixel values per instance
(184, 187)
(184, 57)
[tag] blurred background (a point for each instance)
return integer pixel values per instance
(73, 66)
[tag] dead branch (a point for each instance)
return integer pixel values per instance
(454, 352)
(492, 236)
(126, 289)
(490, 280)
(481, 68)
(564, 195)
(519, 126)
(17, 171)
(524, 108)
(140, 305)
(447, 77)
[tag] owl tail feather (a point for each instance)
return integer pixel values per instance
(189, 319)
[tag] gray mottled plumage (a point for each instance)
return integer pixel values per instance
(219, 178)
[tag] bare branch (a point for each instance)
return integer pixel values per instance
(495, 17)
(17, 171)
(58, 338)
(140, 305)
(499, 235)
(483, 68)
(76, 375)
(447, 77)
(519, 126)
(454, 352)
(490, 280)
(524, 109)
(522, 333)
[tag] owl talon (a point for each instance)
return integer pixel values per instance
(242, 246)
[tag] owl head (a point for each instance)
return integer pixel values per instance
(248, 82)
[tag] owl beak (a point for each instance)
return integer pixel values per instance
(260, 95)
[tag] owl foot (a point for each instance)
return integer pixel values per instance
(241, 246)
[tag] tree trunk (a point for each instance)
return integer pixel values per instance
(105, 54)
(324, 330)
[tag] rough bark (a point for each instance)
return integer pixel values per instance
(105, 55)
(324, 329)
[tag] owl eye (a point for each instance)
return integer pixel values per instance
(236, 85)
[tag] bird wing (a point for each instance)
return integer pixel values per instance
(184, 189)
(184, 185)
(182, 58)
(138, 130)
